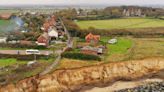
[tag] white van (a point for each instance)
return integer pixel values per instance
(32, 51)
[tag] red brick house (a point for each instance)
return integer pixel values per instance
(43, 39)
(92, 38)
(49, 23)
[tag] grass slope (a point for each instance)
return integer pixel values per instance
(122, 23)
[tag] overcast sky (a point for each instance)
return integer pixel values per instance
(78, 2)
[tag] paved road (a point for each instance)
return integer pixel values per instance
(23, 52)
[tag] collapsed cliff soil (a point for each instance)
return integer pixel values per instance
(73, 80)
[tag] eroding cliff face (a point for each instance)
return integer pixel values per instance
(74, 79)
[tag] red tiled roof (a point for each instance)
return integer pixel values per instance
(48, 23)
(90, 36)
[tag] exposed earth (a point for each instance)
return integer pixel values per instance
(75, 80)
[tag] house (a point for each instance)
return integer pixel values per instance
(53, 33)
(91, 50)
(48, 24)
(90, 38)
(3, 39)
(43, 40)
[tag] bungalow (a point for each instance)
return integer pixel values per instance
(91, 50)
(90, 38)
(43, 40)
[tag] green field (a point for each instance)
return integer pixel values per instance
(3, 24)
(121, 23)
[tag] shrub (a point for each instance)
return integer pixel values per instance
(81, 56)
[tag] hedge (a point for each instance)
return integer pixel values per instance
(81, 56)
(23, 46)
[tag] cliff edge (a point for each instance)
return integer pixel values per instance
(72, 80)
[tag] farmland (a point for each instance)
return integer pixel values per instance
(124, 23)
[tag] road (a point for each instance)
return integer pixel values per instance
(23, 52)
(57, 60)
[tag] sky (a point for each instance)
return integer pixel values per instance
(79, 2)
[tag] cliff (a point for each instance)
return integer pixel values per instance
(71, 80)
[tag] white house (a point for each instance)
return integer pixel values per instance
(53, 33)
(3, 39)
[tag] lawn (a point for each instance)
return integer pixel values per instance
(114, 52)
(121, 23)
(3, 23)
(10, 61)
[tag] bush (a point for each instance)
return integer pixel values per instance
(40, 47)
(81, 56)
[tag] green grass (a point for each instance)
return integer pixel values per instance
(121, 47)
(3, 23)
(116, 52)
(121, 23)
(10, 61)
